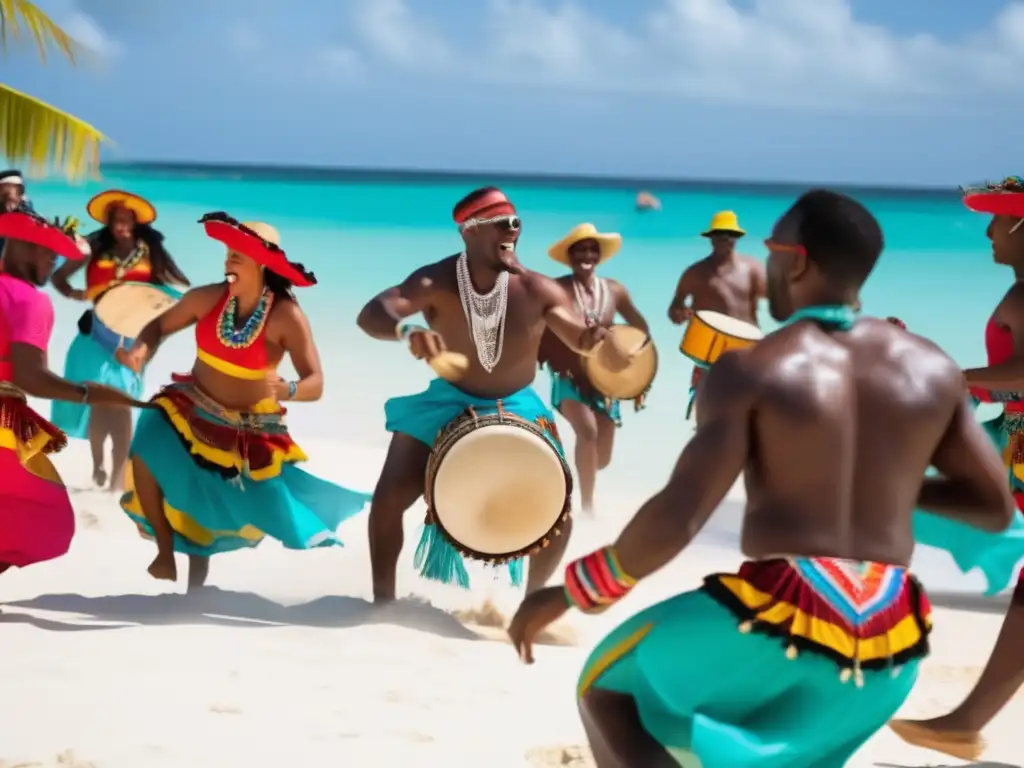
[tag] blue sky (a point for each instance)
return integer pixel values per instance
(893, 91)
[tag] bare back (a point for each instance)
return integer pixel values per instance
(524, 326)
(844, 426)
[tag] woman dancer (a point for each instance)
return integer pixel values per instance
(37, 522)
(959, 733)
(126, 249)
(214, 468)
(593, 416)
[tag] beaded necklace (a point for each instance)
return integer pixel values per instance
(239, 338)
(123, 266)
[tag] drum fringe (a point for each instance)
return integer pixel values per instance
(437, 559)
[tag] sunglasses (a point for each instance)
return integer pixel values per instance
(508, 222)
(223, 218)
(775, 247)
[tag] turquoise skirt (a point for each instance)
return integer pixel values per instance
(226, 487)
(715, 697)
(90, 361)
(995, 554)
(563, 388)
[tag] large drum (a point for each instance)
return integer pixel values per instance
(709, 335)
(626, 383)
(123, 311)
(496, 485)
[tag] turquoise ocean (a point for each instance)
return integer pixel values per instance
(362, 232)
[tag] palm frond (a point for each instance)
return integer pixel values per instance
(21, 17)
(44, 138)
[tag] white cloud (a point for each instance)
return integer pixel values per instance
(816, 54)
(393, 32)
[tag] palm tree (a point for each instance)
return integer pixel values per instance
(31, 131)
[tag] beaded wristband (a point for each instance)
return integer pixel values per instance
(594, 582)
(404, 330)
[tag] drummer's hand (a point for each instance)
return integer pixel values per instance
(426, 344)
(134, 359)
(100, 394)
(680, 315)
(537, 611)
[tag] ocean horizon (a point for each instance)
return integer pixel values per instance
(362, 231)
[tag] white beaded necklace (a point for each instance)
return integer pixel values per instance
(485, 314)
(592, 312)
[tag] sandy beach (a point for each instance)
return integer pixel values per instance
(286, 663)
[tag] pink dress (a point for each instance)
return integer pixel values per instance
(37, 521)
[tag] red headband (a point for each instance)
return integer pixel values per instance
(493, 203)
(38, 231)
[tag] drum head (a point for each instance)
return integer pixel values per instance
(631, 381)
(730, 325)
(127, 308)
(500, 489)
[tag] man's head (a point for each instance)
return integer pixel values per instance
(821, 251)
(12, 190)
(490, 228)
(584, 256)
(32, 245)
(723, 233)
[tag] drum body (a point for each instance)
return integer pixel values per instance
(632, 381)
(709, 335)
(497, 487)
(124, 310)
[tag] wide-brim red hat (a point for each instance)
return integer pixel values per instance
(30, 228)
(1003, 199)
(258, 242)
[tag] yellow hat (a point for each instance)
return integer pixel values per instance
(724, 221)
(608, 242)
(99, 206)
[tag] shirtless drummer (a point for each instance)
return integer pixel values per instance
(724, 281)
(831, 486)
(484, 304)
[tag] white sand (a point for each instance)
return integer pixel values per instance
(287, 664)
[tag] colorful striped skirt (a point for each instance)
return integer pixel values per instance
(229, 478)
(786, 662)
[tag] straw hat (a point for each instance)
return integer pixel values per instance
(608, 242)
(724, 221)
(99, 207)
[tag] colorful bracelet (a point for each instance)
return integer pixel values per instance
(594, 582)
(293, 388)
(404, 330)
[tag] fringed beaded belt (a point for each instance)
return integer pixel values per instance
(30, 429)
(233, 442)
(860, 615)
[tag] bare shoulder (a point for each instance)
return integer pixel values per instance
(289, 311)
(540, 285)
(916, 353)
(734, 381)
(201, 295)
(438, 275)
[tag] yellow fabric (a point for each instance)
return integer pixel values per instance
(97, 208)
(231, 459)
(25, 450)
(187, 526)
(230, 369)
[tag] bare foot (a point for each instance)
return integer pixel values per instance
(99, 477)
(938, 737)
(164, 568)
